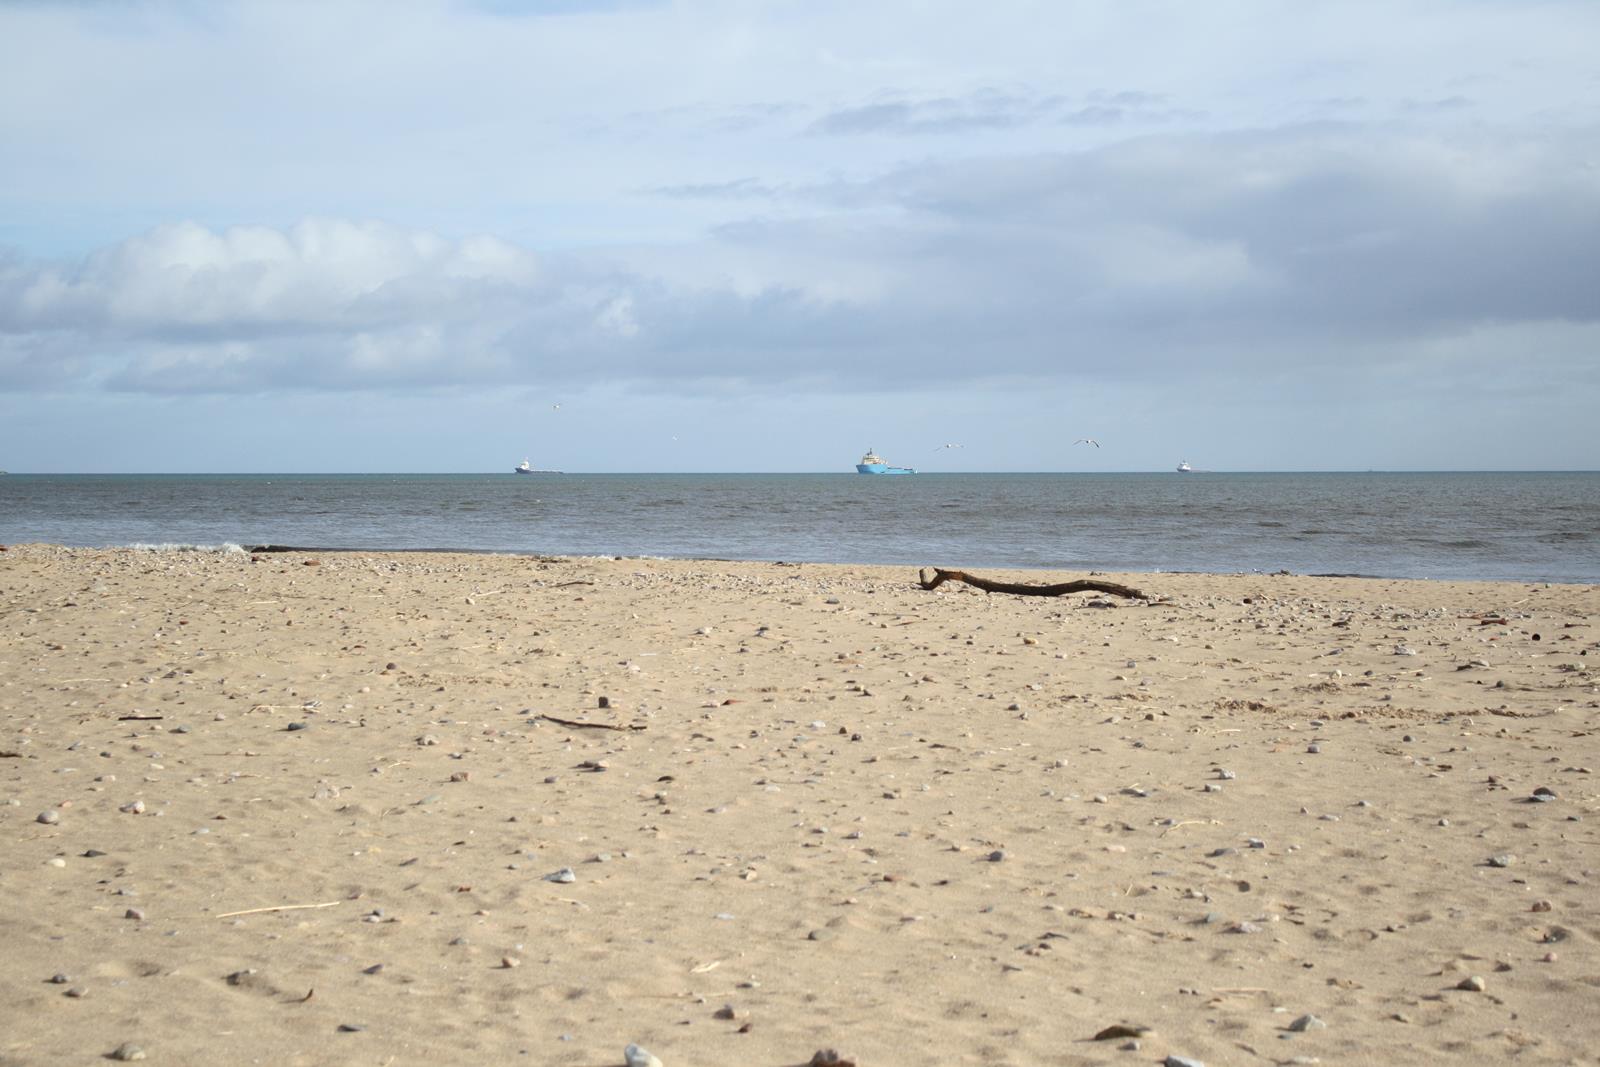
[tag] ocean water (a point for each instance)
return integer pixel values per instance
(1517, 526)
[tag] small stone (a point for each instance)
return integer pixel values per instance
(351, 1028)
(827, 1057)
(59, 979)
(1503, 859)
(127, 1051)
(1307, 1022)
(1226, 776)
(1474, 984)
(820, 935)
(133, 913)
(508, 962)
(604, 702)
(1182, 1061)
(1313, 748)
(297, 726)
(49, 818)
(133, 808)
(996, 856)
(564, 876)
(729, 1013)
(77, 992)
(1541, 905)
(1244, 928)
(634, 1056)
(1116, 1030)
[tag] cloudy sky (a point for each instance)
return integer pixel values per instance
(764, 236)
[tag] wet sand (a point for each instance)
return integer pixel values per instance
(836, 811)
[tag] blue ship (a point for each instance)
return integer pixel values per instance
(872, 463)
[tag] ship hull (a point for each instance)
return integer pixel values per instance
(882, 468)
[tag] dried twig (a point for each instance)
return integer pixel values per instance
(593, 725)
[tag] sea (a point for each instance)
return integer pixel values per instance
(1522, 526)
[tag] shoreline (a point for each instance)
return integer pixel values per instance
(226, 548)
(737, 812)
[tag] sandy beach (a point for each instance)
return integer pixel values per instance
(317, 809)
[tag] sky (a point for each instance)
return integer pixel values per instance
(630, 235)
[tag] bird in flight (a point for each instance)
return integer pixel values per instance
(1087, 441)
(941, 448)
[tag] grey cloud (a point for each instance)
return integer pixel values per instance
(987, 110)
(996, 110)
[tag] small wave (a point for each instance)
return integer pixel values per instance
(226, 548)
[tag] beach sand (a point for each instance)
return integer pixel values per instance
(848, 813)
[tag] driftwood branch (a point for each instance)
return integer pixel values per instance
(1085, 585)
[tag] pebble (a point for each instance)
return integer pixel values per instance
(634, 1056)
(59, 979)
(133, 913)
(49, 818)
(135, 807)
(827, 1057)
(996, 856)
(1307, 1022)
(564, 875)
(1181, 1061)
(298, 726)
(1474, 984)
(127, 1051)
(351, 1028)
(77, 992)
(1504, 859)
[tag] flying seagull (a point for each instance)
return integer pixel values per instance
(1087, 441)
(941, 448)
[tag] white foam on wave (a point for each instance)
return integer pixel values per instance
(226, 548)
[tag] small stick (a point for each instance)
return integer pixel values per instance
(279, 907)
(592, 725)
(139, 718)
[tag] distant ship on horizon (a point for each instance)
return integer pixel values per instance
(872, 463)
(1184, 468)
(524, 468)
